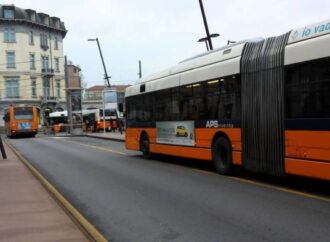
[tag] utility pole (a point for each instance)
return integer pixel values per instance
(68, 93)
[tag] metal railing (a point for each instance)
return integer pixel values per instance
(49, 99)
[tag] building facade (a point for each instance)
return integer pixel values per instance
(73, 76)
(31, 59)
(93, 95)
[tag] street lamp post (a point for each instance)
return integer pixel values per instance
(204, 40)
(105, 70)
(208, 37)
(106, 77)
(103, 92)
(205, 24)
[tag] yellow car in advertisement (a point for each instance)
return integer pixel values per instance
(181, 131)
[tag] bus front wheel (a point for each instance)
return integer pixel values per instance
(222, 156)
(145, 146)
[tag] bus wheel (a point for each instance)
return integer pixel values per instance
(222, 156)
(145, 146)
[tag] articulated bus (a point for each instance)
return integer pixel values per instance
(263, 104)
(21, 121)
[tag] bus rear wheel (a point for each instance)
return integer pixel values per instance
(145, 146)
(222, 156)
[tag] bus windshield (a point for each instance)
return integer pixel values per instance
(23, 114)
(110, 96)
(108, 113)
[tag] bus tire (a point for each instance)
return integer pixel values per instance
(145, 146)
(222, 156)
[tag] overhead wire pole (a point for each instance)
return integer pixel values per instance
(68, 96)
(206, 26)
(140, 69)
(105, 69)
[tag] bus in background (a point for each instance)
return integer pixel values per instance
(58, 121)
(93, 118)
(263, 104)
(21, 121)
(111, 104)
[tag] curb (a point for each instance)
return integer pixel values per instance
(105, 138)
(73, 212)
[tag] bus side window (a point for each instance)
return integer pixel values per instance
(307, 90)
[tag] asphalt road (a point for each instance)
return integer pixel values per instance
(131, 199)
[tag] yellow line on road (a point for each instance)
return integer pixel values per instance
(90, 229)
(269, 186)
(96, 147)
(282, 189)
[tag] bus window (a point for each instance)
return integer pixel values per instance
(187, 102)
(212, 98)
(308, 90)
(148, 103)
(23, 114)
(163, 106)
(175, 104)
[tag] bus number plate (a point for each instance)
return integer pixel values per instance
(24, 126)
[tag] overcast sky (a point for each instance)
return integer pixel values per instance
(163, 32)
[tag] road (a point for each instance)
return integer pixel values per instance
(131, 199)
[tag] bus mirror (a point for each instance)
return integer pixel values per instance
(120, 107)
(6, 118)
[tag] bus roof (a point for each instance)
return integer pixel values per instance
(58, 114)
(225, 61)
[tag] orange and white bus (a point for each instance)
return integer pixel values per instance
(95, 116)
(21, 121)
(263, 104)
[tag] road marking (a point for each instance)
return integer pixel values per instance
(84, 223)
(58, 137)
(205, 172)
(96, 147)
(282, 189)
(269, 186)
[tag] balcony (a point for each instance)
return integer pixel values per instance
(47, 72)
(49, 99)
(44, 47)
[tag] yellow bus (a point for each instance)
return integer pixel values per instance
(21, 121)
(263, 104)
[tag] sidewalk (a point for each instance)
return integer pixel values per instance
(108, 135)
(27, 211)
